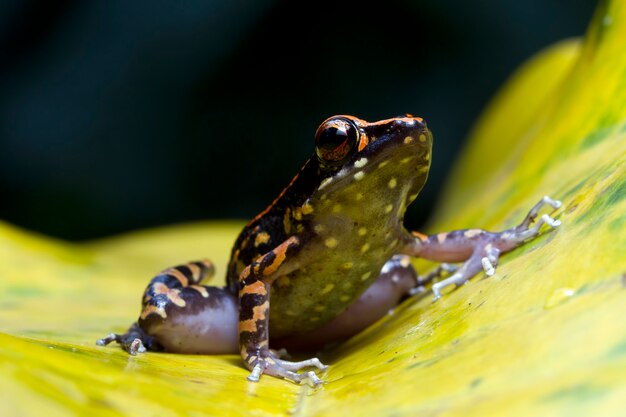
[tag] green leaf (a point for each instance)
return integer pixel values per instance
(544, 336)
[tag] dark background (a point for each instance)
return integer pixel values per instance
(117, 115)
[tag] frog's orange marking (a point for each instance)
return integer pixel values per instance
(207, 263)
(150, 309)
(259, 313)
(195, 271)
(247, 326)
(257, 287)
(245, 273)
(173, 294)
(203, 292)
(362, 123)
(173, 272)
(261, 239)
(363, 142)
(281, 253)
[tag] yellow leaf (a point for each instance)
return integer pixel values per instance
(544, 336)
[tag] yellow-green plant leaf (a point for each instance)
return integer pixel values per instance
(544, 336)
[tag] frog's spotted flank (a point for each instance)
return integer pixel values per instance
(408, 140)
(392, 183)
(359, 175)
(360, 163)
(307, 209)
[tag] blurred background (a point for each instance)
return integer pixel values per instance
(119, 115)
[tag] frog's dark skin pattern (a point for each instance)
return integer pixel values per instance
(328, 257)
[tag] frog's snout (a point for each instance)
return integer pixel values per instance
(409, 121)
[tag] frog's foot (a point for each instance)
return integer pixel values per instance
(487, 247)
(485, 258)
(134, 341)
(272, 365)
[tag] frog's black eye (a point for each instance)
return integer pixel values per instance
(335, 141)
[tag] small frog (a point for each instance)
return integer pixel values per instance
(328, 257)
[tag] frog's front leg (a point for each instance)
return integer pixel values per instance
(254, 309)
(476, 248)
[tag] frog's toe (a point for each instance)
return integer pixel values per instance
(296, 366)
(134, 341)
(288, 370)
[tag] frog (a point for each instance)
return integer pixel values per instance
(326, 259)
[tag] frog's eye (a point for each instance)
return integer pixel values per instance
(335, 140)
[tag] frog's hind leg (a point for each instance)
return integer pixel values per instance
(180, 315)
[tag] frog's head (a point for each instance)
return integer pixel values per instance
(370, 170)
(386, 160)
